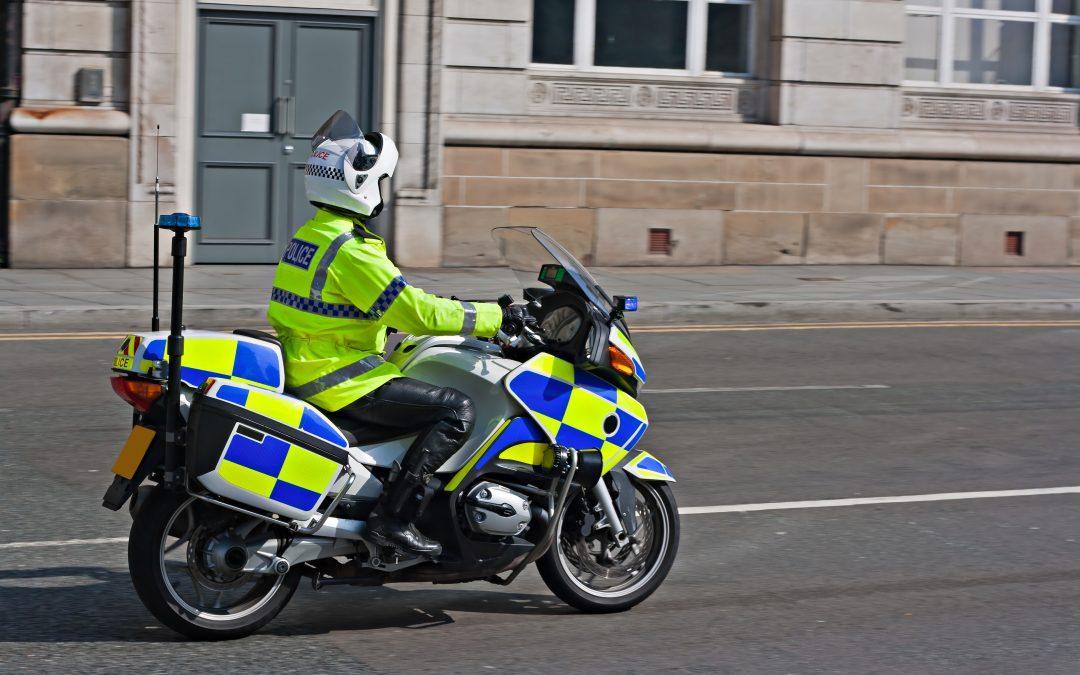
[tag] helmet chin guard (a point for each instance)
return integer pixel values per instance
(346, 168)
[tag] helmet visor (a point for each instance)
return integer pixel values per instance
(340, 127)
(361, 152)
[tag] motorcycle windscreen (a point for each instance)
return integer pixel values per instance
(526, 249)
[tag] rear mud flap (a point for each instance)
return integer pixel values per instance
(121, 489)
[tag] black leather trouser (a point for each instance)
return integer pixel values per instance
(444, 417)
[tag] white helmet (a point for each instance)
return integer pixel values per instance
(346, 167)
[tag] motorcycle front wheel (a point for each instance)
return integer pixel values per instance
(184, 558)
(582, 570)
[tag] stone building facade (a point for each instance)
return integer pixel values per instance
(639, 132)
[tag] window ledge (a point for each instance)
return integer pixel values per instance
(70, 120)
(644, 74)
(648, 134)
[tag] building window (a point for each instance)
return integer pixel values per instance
(993, 43)
(695, 36)
(553, 31)
(641, 33)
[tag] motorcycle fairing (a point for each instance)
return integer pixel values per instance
(206, 354)
(534, 454)
(646, 467)
(577, 409)
(620, 340)
(516, 436)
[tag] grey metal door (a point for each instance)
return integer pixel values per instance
(266, 83)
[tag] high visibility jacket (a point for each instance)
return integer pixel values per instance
(335, 294)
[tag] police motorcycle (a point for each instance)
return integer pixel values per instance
(238, 491)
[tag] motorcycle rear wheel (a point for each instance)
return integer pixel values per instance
(164, 529)
(582, 578)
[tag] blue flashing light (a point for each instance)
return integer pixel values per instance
(631, 303)
(180, 221)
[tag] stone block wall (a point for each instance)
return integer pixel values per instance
(62, 36)
(69, 193)
(840, 63)
(68, 202)
(761, 209)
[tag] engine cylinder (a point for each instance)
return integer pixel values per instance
(496, 510)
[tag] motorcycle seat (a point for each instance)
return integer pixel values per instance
(358, 434)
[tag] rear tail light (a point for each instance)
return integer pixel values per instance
(620, 361)
(140, 393)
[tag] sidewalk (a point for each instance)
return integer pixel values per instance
(221, 296)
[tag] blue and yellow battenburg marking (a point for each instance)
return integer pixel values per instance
(573, 406)
(646, 467)
(271, 467)
(289, 411)
(620, 340)
(519, 439)
(207, 354)
(277, 470)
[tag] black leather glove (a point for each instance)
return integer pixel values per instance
(515, 319)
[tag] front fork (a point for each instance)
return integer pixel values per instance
(613, 519)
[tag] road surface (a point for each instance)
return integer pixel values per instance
(773, 422)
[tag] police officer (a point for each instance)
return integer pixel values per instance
(335, 295)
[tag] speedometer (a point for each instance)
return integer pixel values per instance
(561, 325)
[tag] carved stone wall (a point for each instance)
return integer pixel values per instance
(988, 110)
(651, 97)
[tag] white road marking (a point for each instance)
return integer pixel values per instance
(808, 387)
(864, 501)
(64, 542)
(972, 282)
(862, 325)
(698, 510)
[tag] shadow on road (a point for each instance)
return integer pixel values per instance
(387, 607)
(97, 604)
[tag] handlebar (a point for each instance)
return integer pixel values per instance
(528, 333)
(534, 336)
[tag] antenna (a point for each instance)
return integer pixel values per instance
(155, 322)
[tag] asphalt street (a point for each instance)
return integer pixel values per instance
(977, 585)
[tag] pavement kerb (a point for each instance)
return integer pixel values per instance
(132, 317)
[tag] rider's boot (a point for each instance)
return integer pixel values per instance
(392, 522)
(390, 531)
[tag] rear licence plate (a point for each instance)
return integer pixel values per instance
(131, 455)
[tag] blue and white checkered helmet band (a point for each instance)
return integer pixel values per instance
(320, 171)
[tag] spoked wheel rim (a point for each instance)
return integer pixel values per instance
(190, 557)
(628, 570)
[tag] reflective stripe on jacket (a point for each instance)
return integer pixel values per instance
(335, 294)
